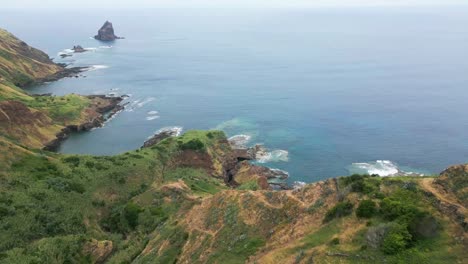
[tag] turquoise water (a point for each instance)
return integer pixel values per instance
(332, 87)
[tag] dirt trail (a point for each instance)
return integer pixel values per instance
(428, 185)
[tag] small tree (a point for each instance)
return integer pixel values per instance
(396, 240)
(366, 209)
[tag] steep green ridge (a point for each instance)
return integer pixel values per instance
(169, 203)
(29, 120)
(22, 64)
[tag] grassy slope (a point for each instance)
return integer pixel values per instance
(21, 63)
(52, 206)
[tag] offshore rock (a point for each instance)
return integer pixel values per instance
(106, 33)
(78, 49)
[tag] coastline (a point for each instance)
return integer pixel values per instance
(105, 113)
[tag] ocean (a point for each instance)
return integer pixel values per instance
(328, 91)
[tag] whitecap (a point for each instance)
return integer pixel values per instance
(238, 126)
(97, 67)
(173, 131)
(149, 118)
(105, 47)
(264, 156)
(65, 52)
(239, 141)
(298, 185)
(152, 112)
(382, 168)
(147, 100)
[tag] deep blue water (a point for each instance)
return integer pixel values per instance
(331, 86)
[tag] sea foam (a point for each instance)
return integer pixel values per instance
(149, 118)
(239, 141)
(97, 67)
(174, 131)
(383, 168)
(265, 156)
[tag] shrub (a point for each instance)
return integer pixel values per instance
(193, 144)
(392, 209)
(89, 164)
(123, 219)
(75, 161)
(131, 212)
(65, 185)
(396, 239)
(366, 209)
(335, 241)
(361, 183)
(339, 210)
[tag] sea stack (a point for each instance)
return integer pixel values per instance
(106, 33)
(78, 49)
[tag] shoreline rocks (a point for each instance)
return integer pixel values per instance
(275, 178)
(106, 112)
(106, 33)
(161, 135)
(66, 72)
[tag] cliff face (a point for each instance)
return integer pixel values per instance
(35, 121)
(106, 32)
(22, 64)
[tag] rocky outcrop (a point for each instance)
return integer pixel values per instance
(455, 180)
(159, 136)
(65, 73)
(98, 251)
(244, 171)
(106, 33)
(78, 49)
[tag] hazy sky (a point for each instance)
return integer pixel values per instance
(215, 3)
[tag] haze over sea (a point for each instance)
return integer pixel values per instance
(332, 87)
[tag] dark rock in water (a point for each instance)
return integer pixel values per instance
(159, 136)
(65, 55)
(66, 72)
(78, 49)
(106, 33)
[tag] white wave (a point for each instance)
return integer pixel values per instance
(105, 47)
(149, 118)
(280, 173)
(264, 156)
(239, 141)
(65, 52)
(153, 113)
(97, 67)
(91, 49)
(147, 100)
(382, 168)
(174, 131)
(298, 185)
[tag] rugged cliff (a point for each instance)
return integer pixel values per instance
(36, 121)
